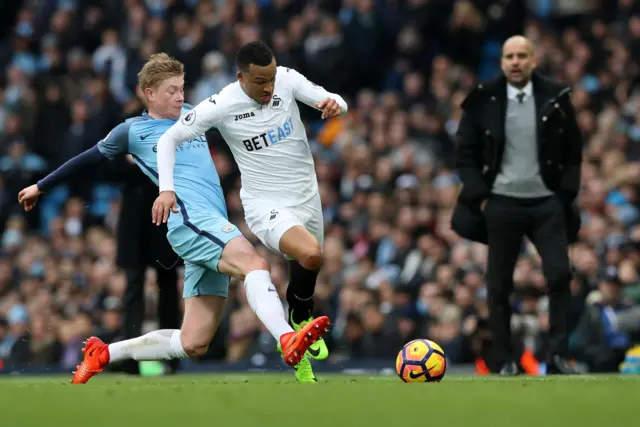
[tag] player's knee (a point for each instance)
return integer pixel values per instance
(240, 258)
(311, 258)
(257, 263)
(251, 263)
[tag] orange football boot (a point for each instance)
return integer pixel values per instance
(96, 357)
(295, 344)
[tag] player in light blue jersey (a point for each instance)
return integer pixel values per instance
(199, 231)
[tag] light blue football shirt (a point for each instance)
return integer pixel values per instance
(196, 180)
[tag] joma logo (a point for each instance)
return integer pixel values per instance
(245, 116)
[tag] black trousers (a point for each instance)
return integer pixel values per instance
(134, 302)
(168, 301)
(142, 244)
(542, 220)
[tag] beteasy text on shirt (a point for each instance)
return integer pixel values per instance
(197, 142)
(270, 137)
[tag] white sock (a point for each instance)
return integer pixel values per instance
(157, 345)
(265, 302)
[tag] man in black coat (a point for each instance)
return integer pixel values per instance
(518, 156)
(141, 244)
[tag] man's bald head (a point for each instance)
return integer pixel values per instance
(518, 61)
(517, 42)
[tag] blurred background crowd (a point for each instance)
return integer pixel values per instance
(394, 270)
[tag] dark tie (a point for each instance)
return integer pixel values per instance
(520, 97)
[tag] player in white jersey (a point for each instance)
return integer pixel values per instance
(259, 119)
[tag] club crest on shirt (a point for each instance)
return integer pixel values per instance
(276, 102)
(228, 228)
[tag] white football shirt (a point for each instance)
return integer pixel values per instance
(268, 142)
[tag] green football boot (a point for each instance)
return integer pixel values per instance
(318, 350)
(304, 372)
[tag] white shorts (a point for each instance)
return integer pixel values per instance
(269, 221)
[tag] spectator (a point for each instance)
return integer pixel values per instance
(215, 77)
(18, 338)
(602, 346)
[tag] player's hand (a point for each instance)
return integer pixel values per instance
(164, 204)
(28, 197)
(330, 108)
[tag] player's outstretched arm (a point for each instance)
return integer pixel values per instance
(28, 197)
(196, 122)
(115, 142)
(331, 104)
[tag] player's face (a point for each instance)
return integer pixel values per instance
(258, 82)
(517, 62)
(167, 99)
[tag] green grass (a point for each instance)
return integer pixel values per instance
(261, 400)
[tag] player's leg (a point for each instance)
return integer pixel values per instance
(205, 293)
(296, 232)
(302, 280)
(202, 315)
(201, 322)
(240, 260)
(298, 243)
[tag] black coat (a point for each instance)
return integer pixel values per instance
(481, 144)
(140, 242)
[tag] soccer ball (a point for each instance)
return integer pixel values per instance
(421, 361)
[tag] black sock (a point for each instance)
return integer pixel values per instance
(302, 285)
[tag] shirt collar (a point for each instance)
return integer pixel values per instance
(512, 91)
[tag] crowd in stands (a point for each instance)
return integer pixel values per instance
(394, 270)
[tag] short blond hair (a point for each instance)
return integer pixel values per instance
(158, 68)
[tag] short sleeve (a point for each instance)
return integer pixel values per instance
(116, 142)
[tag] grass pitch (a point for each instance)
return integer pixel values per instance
(265, 400)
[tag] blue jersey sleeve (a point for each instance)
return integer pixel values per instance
(116, 142)
(79, 163)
